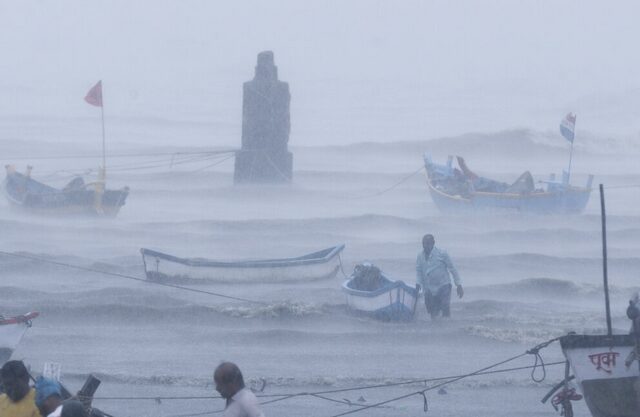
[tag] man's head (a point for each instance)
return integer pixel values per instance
(427, 243)
(15, 379)
(48, 395)
(228, 379)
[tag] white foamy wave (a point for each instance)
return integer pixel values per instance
(267, 383)
(514, 335)
(274, 310)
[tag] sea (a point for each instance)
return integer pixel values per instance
(527, 278)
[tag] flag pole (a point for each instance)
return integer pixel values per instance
(94, 97)
(571, 152)
(570, 158)
(104, 157)
(102, 177)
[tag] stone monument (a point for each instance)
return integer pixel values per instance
(264, 156)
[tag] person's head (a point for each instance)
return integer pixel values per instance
(15, 379)
(427, 243)
(228, 379)
(48, 395)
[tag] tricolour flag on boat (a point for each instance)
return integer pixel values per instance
(568, 127)
(94, 96)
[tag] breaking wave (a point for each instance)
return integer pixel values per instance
(522, 378)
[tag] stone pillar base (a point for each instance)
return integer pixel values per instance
(260, 166)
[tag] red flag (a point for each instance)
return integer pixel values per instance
(94, 96)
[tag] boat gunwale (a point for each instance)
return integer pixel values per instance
(329, 253)
(414, 291)
(507, 196)
(583, 341)
(19, 319)
(20, 199)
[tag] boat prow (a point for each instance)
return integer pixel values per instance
(607, 380)
(11, 331)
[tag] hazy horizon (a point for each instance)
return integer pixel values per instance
(358, 70)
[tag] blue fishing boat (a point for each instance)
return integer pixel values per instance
(370, 292)
(77, 197)
(458, 189)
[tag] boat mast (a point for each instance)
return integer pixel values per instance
(104, 157)
(571, 153)
(104, 152)
(604, 259)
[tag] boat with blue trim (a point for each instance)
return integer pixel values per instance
(370, 292)
(76, 198)
(458, 189)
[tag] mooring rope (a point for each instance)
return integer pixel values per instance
(314, 393)
(405, 178)
(131, 155)
(342, 267)
(533, 351)
(130, 277)
(321, 394)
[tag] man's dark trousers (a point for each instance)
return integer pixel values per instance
(438, 302)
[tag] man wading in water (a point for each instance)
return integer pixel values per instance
(432, 273)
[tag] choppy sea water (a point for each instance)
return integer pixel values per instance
(528, 279)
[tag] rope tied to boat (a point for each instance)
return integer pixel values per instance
(130, 277)
(425, 406)
(533, 351)
(342, 266)
(402, 180)
(539, 361)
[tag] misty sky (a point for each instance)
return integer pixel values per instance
(358, 70)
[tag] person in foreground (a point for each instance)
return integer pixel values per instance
(241, 402)
(19, 400)
(433, 272)
(49, 400)
(48, 397)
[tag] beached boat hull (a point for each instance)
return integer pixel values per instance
(395, 301)
(162, 267)
(609, 387)
(11, 331)
(557, 198)
(27, 194)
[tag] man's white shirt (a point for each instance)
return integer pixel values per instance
(243, 404)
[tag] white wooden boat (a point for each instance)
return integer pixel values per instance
(168, 268)
(609, 385)
(11, 331)
(386, 300)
